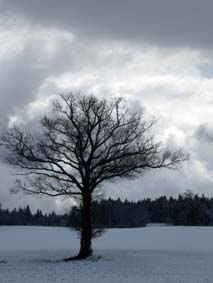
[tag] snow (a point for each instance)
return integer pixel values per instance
(145, 255)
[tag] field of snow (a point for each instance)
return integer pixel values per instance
(145, 255)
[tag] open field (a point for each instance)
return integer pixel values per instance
(145, 255)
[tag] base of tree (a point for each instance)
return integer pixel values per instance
(77, 257)
(72, 258)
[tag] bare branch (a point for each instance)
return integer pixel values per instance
(85, 142)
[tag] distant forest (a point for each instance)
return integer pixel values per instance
(186, 210)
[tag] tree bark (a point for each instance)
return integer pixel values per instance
(86, 229)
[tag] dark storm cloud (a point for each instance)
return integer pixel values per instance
(166, 22)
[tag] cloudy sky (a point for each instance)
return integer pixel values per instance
(154, 53)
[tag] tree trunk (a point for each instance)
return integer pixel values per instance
(86, 228)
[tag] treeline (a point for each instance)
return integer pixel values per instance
(24, 216)
(186, 210)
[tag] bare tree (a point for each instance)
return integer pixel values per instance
(85, 142)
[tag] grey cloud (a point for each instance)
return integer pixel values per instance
(18, 86)
(165, 22)
(204, 142)
(163, 182)
(206, 70)
(205, 133)
(22, 75)
(19, 82)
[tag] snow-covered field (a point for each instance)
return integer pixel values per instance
(145, 255)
